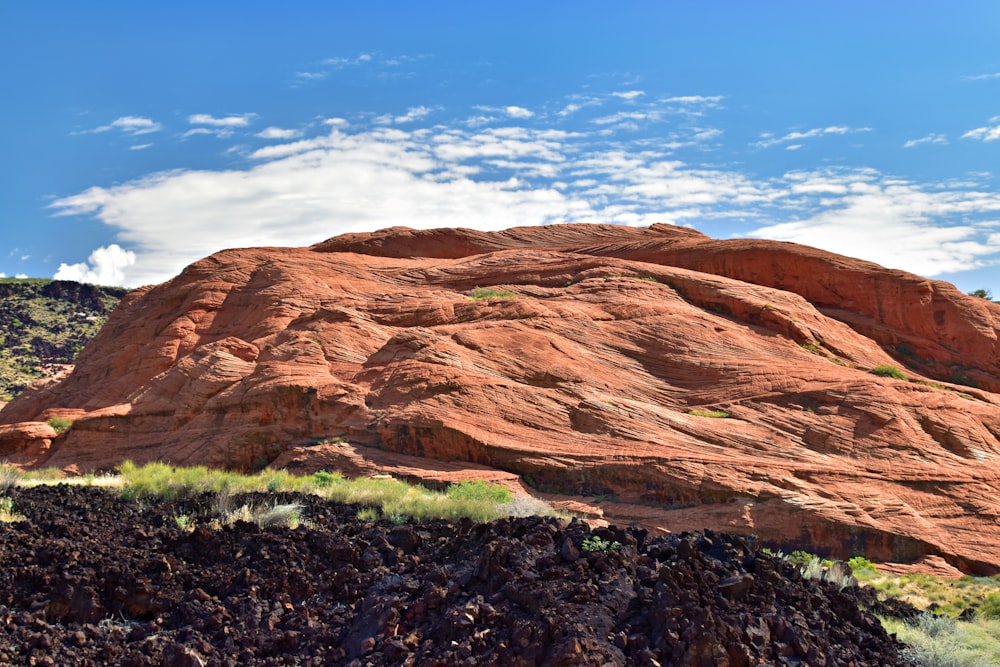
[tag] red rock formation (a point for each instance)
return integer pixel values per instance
(366, 352)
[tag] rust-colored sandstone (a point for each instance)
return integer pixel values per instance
(366, 353)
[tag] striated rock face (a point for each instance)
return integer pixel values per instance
(367, 352)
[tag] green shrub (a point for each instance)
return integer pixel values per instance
(598, 543)
(59, 424)
(489, 293)
(990, 606)
(715, 414)
(860, 563)
(7, 513)
(888, 371)
(323, 479)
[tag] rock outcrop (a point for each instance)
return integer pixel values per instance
(662, 377)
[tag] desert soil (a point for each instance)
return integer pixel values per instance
(89, 579)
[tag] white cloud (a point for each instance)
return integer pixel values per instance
(931, 138)
(623, 116)
(415, 113)
(982, 77)
(709, 100)
(310, 76)
(241, 120)
(313, 189)
(130, 125)
(497, 173)
(105, 266)
(412, 114)
(889, 221)
(629, 95)
(767, 139)
(139, 147)
(278, 133)
(518, 112)
(986, 133)
(570, 109)
(371, 64)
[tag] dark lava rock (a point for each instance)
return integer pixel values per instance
(89, 579)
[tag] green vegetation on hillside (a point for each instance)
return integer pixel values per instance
(45, 324)
(888, 371)
(715, 414)
(492, 293)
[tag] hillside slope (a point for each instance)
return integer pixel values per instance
(44, 324)
(662, 377)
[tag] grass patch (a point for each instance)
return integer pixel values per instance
(43, 475)
(491, 293)
(888, 371)
(715, 414)
(940, 641)
(948, 596)
(478, 490)
(9, 477)
(386, 498)
(648, 279)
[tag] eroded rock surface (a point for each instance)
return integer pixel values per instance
(367, 351)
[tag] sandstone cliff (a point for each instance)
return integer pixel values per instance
(599, 379)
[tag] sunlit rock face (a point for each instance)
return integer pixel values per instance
(687, 382)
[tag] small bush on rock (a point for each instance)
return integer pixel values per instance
(59, 424)
(888, 371)
(598, 543)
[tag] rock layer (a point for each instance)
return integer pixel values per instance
(683, 382)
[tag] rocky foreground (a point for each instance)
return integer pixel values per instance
(88, 579)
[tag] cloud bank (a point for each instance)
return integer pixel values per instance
(523, 167)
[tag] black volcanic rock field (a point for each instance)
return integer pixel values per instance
(90, 579)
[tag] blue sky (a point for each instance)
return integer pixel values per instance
(137, 138)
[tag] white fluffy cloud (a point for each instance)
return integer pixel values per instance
(279, 133)
(518, 112)
(888, 221)
(985, 133)
(105, 266)
(506, 171)
(241, 120)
